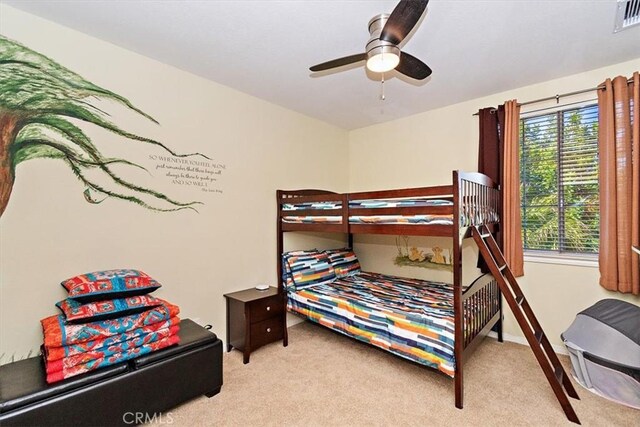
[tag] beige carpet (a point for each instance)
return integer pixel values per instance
(325, 379)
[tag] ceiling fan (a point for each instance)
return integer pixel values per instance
(381, 51)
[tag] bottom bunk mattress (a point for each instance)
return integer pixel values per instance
(411, 318)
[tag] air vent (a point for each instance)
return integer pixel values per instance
(627, 15)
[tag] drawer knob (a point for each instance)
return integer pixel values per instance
(268, 329)
(268, 308)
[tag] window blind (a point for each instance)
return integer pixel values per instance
(559, 181)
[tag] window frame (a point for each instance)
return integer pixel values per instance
(583, 259)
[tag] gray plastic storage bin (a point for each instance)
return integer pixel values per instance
(604, 346)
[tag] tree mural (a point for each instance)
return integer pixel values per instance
(41, 103)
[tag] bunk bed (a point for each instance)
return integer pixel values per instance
(452, 210)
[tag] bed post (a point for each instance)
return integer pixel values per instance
(345, 219)
(457, 293)
(500, 318)
(279, 246)
(280, 250)
(500, 235)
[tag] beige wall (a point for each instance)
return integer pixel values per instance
(423, 150)
(49, 233)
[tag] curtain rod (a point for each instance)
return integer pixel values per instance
(555, 106)
(561, 95)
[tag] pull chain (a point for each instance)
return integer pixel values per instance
(382, 97)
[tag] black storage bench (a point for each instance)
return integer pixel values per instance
(140, 390)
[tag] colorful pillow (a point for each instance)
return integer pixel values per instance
(287, 277)
(344, 262)
(75, 312)
(309, 268)
(109, 284)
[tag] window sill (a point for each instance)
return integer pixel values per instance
(591, 262)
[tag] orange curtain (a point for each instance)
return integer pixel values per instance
(619, 146)
(511, 217)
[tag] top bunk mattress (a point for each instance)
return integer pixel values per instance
(408, 317)
(369, 219)
(371, 203)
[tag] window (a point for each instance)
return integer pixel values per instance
(559, 181)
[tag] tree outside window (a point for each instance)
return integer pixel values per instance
(559, 181)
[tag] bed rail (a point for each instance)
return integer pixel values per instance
(478, 199)
(437, 191)
(308, 196)
(474, 197)
(481, 307)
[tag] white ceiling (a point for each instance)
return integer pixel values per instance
(264, 48)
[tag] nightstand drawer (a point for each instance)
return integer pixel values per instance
(266, 331)
(266, 308)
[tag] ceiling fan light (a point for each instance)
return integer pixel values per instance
(383, 62)
(383, 58)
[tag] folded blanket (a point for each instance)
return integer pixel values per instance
(122, 347)
(111, 360)
(58, 333)
(55, 353)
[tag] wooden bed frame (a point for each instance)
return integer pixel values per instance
(470, 192)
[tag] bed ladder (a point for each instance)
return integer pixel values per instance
(528, 322)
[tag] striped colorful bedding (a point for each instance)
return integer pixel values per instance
(411, 318)
(371, 219)
(385, 203)
(383, 219)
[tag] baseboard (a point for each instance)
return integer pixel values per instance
(560, 349)
(293, 319)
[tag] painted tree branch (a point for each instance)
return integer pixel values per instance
(38, 98)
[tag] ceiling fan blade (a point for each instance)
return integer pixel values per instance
(339, 62)
(411, 66)
(402, 20)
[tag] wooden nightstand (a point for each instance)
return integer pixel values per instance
(255, 318)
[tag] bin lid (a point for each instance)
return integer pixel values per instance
(610, 330)
(620, 315)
